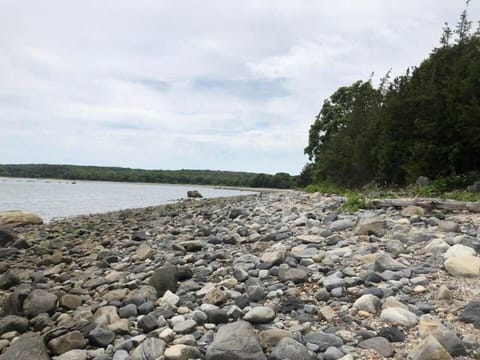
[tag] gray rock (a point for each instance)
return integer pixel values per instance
(194, 194)
(182, 352)
(385, 262)
(13, 323)
(74, 355)
(7, 237)
(28, 346)
(400, 316)
(448, 226)
(340, 225)
(369, 303)
(323, 340)
(142, 295)
(332, 282)
(296, 275)
(255, 293)
(8, 279)
(185, 327)
(471, 314)
(287, 348)
(380, 345)
(39, 301)
(164, 278)
(332, 353)
(272, 258)
(101, 336)
(235, 341)
(150, 349)
(259, 315)
(70, 341)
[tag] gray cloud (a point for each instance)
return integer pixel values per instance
(189, 84)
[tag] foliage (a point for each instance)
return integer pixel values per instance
(201, 177)
(425, 122)
(354, 203)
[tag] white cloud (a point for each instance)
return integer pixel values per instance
(189, 84)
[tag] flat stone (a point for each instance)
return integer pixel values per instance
(371, 226)
(311, 239)
(340, 225)
(74, 355)
(182, 352)
(429, 349)
(296, 275)
(448, 226)
(13, 323)
(185, 327)
(399, 316)
(101, 336)
(259, 315)
(323, 340)
(70, 301)
(144, 252)
(386, 262)
(235, 341)
(272, 258)
(69, 341)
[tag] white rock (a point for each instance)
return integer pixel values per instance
(459, 250)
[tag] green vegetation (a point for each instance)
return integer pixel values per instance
(200, 177)
(423, 123)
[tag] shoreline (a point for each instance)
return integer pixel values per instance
(273, 266)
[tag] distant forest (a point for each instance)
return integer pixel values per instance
(199, 177)
(423, 123)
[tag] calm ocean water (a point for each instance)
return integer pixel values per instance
(60, 198)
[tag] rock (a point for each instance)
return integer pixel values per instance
(28, 346)
(399, 316)
(170, 298)
(101, 336)
(310, 239)
(392, 334)
(150, 349)
(323, 340)
(380, 345)
(185, 327)
(235, 341)
(67, 342)
(215, 297)
(217, 316)
(369, 303)
(371, 226)
(340, 225)
(39, 301)
(271, 337)
(459, 250)
(332, 282)
(106, 315)
(8, 279)
(193, 245)
(272, 258)
(164, 278)
(13, 323)
(437, 247)
(448, 226)
(7, 237)
(332, 353)
(463, 266)
(70, 301)
(13, 303)
(412, 210)
(471, 314)
(385, 262)
(259, 315)
(144, 252)
(18, 219)
(429, 349)
(142, 295)
(194, 194)
(74, 355)
(181, 352)
(235, 212)
(148, 323)
(288, 348)
(296, 275)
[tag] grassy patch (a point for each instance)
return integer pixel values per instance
(354, 203)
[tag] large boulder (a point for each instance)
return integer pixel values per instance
(39, 301)
(18, 218)
(235, 341)
(28, 346)
(463, 266)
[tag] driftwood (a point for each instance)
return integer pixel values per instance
(427, 204)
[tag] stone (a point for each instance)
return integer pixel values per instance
(429, 349)
(399, 316)
(369, 303)
(255, 293)
(8, 279)
(28, 346)
(106, 315)
(323, 340)
(7, 237)
(380, 345)
(193, 245)
(259, 315)
(235, 341)
(385, 262)
(144, 252)
(148, 322)
(185, 327)
(296, 275)
(13, 323)
(272, 258)
(39, 301)
(287, 349)
(69, 341)
(164, 278)
(437, 247)
(217, 316)
(332, 353)
(194, 194)
(18, 219)
(392, 334)
(149, 349)
(371, 226)
(310, 239)
(70, 301)
(448, 226)
(471, 314)
(182, 352)
(340, 225)
(333, 281)
(74, 355)
(413, 210)
(271, 337)
(170, 298)
(142, 295)
(101, 336)
(463, 266)
(215, 297)
(459, 250)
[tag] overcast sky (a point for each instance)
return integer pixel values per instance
(231, 85)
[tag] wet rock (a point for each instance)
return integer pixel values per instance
(194, 194)
(235, 341)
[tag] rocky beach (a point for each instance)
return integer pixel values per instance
(280, 275)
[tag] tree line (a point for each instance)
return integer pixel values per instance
(423, 123)
(198, 177)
